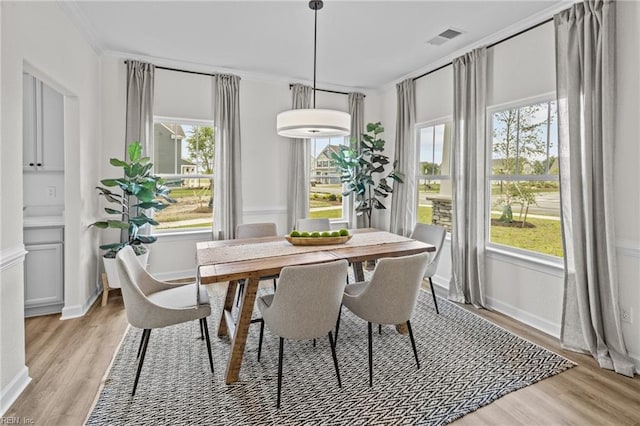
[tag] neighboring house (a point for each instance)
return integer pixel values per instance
(167, 141)
(323, 167)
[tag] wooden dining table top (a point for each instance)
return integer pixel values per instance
(226, 260)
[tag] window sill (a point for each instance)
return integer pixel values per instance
(176, 234)
(547, 264)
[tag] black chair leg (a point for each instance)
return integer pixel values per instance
(145, 342)
(370, 356)
(379, 328)
(205, 328)
(275, 286)
(201, 330)
(314, 343)
(260, 341)
(141, 343)
(335, 359)
(338, 323)
(280, 371)
(433, 293)
(413, 344)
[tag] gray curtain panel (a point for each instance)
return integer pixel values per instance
(227, 187)
(356, 109)
(403, 199)
(299, 152)
(139, 119)
(139, 114)
(585, 49)
(468, 163)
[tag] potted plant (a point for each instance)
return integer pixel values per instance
(361, 171)
(141, 190)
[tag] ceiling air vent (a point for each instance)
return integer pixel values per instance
(444, 36)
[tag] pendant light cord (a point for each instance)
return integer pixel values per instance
(315, 43)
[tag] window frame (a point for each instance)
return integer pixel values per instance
(346, 214)
(157, 119)
(500, 249)
(447, 120)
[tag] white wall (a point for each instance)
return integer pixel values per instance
(39, 38)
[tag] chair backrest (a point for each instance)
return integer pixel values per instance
(430, 234)
(256, 230)
(391, 295)
(306, 303)
(135, 282)
(312, 225)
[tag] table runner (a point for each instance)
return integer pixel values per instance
(249, 251)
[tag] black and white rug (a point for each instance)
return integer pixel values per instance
(466, 363)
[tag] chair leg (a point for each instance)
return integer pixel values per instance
(370, 356)
(280, 371)
(379, 328)
(201, 330)
(335, 359)
(413, 344)
(433, 293)
(338, 323)
(260, 341)
(205, 327)
(145, 342)
(314, 343)
(275, 286)
(144, 334)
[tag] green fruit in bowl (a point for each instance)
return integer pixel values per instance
(344, 232)
(304, 234)
(294, 234)
(315, 234)
(335, 234)
(326, 234)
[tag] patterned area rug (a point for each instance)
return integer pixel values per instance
(466, 363)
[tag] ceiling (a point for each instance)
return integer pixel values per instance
(361, 44)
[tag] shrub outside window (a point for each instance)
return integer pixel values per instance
(183, 154)
(523, 179)
(325, 187)
(433, 179)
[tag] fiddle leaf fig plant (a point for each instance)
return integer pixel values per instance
(361, 170)
(141, 190)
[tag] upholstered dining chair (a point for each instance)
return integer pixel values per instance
(389, 297)
(256, 230)
(434, 235)
(305, 306)
(150, 303)
(312, 225)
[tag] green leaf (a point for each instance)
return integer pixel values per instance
(109, 182)
(118, 224)
(101, 224)
(134, 151)
(113, 246)
(117, 163)
(147, 239)
(112, 211)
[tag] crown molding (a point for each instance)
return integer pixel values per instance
(80, 21)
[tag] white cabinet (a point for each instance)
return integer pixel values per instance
(43, 271)
(42, 127)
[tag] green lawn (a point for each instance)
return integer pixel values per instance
(331, 214)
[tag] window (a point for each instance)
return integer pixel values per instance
(433, 183)
(524, 190)
(325, 192)
(183, 155)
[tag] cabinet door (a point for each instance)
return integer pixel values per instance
(28, 122)
(43, 275)
(50, 149)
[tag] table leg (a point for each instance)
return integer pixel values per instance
(228, 305)
(402, 328)
(357, 271)
(241, 331)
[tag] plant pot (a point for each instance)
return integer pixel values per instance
(111, 268)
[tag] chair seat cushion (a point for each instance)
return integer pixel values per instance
(180, 297)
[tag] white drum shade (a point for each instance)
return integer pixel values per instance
(313, 123)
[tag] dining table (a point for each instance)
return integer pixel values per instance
(252, 258)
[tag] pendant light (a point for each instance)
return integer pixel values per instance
(313, 123)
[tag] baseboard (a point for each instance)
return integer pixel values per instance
(76, 311)
(636, 361)
(441, 286)
(13, 390)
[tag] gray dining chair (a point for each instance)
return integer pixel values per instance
(150, 303)
(256, 230)
(389, 297)
(312, 225)
(305, 306)
(434, 235)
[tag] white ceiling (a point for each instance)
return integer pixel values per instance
(361, 44)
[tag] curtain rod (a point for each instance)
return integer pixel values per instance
(179, 70)
(328, 91)
(489, 46)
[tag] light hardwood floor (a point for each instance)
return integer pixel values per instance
(68, 359)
